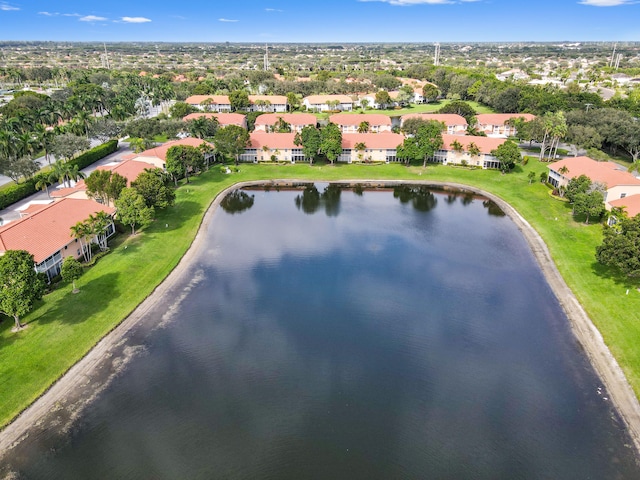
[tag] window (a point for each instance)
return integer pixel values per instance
(622, 195)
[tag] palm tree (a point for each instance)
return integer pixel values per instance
(457, 146)
(563, 170)
(82, 231)
(43, 184)
(98, 224)
(363, 127)
(360, 147)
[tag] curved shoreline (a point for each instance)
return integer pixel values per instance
(78, 377)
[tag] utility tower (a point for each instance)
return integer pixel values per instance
(436, 56)
(613, 55)
(266, 57)
(104, 58)
(618, 58)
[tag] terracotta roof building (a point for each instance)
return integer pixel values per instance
(46, 232)
(212, 103)
(456, 124)
(463, 155)
(158, 155)
(224, 119)
(265, 122)
(370, 147)
(268, 103)
(631, 205)
(350, 123)
(323, 103)
(494, 124)
(619, 182)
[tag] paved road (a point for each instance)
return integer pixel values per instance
(11, 213)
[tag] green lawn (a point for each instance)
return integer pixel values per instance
(65, 326)
(420, 108)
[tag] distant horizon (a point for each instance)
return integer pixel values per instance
(332, 21)
(334, 42)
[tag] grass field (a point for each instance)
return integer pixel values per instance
(64, 327)
(420, 108)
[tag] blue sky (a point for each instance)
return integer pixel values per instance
(325, 21)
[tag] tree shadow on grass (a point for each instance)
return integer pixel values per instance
(94, 297)
(174, 217)
(7, 337)
(610, 273)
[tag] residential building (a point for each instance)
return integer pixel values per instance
(370, 147)
(617, 180)
(272, 147)
(158, 155)
(350, 123)
(265, 122)
(268, 103)
(323, 103)
(496, 124)
(45, 232)
(210, 103)
(630, 204)
(224, 119)
(456, 124)
(455, 151)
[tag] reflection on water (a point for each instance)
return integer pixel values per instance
(388, 342)
(310, 200)
(237, 201)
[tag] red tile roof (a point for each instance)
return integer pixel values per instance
(609, 173)
(631, 205)
(290, 118)
(272, 140)
(129, 169)
(449, 119)
(224, 119)
(500, 118)
(217, 99)
(373, 140)
(161, 151)
(485, 144)
(274, 99)
(47, 231)
(357, 119)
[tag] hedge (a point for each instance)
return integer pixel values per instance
(15, 193)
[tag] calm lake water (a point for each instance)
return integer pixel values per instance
(342, 335)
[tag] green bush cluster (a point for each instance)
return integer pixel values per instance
(17, 192)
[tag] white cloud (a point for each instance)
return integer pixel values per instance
(71, 15)
(49, 14)
(92, 18)
(606, 3)
(273, 10)
(227, 20)
(135, 19)
(8, 8)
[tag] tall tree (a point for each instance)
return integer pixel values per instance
(239, 100)
(310, 140)
(331, 141)
(20, 285)
(71, 271)
(232, 141)
(132, 209)
(620, 246)
(429, 140)
(151, 184)
(508, 154)
(383, 99)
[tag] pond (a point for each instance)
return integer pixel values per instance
(349, 334)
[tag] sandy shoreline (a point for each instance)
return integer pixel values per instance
(105, 354)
